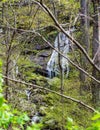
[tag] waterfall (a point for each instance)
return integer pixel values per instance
(52, 62)
(52, 65)
(28, 93)
(1, 30)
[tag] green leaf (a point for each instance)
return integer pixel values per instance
(70, 120)
(1, 99)
(5, 106)
(95, 117)
(26, 118)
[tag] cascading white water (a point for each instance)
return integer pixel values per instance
(28, 93)
(36, 118)
(52, 65)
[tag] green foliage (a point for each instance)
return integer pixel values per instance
(35, 127)
(12, 119)
(71, 125)
(54, 83)
(96, 122)
(95, 125)
(9, 1)
(32, 17)
(8, 117)
(57, 110)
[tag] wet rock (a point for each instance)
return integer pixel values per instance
(36, 118)
(44, 54)
(41, 47)
(41, 60)
(42, 71)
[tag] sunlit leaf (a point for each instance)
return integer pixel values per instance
(95, 117)
(1, 99)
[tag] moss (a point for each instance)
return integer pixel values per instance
(59, 111)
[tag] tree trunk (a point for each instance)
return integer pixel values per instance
(96, 53)
(85, 41)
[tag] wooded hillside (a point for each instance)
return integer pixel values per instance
(50, 65)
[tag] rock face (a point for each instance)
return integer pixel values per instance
(40, 54)
(40, 58)
(41, 47)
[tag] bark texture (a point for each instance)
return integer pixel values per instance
(96, 53)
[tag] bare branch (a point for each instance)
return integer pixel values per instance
(47, 10)
(97, 51)
(78, 67)
(52, 91)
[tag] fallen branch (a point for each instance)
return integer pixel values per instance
(52, 91)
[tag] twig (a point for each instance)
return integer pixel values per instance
(47, 10)
(52, 91)
(77, 66)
